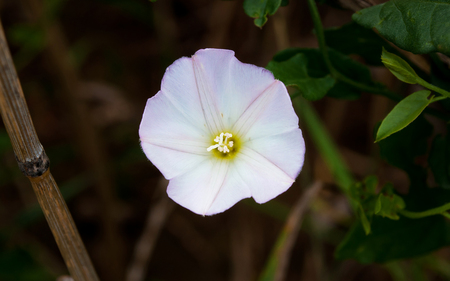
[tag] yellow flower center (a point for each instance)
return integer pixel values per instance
(224, 145)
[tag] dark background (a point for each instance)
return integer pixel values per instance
(87, 69)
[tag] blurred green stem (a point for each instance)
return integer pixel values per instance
(324, 144)
(442, 210)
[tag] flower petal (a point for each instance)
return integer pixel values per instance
(265, 179)
(179, 86)
(208, 98)
(169, 139)
(197, 189)
(271, 113)
(232, 191)
(170, 162)
(235, 84)
(286, 150)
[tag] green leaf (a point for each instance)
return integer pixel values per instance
(364, 221)
(400, 68)
(260, 9)
(394, 239)
(403, 113)
(317, 68)
(293, 72)
(439, 161)
(388, 203)
(418, 26)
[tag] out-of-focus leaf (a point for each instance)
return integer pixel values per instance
(439, 161)
(402, 148)
(30, 39)
(317, 68)
(20, 264)
(399, 67)
(260, 9)
(403, 113)
(385, 204)
(394, 239)
(388, 203)
(440, 76)
(364, 221)
(418, 26)
(352, 38)
(331, 3)
(5, 143)
(139, 10)
(293, 72)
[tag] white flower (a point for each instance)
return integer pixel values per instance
(221, 131)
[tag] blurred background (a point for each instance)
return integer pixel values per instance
(87, 68)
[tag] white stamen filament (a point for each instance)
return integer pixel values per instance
(222, 145)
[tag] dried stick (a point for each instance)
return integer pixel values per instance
(91, 147)
(143, 250)
(34, 163)
(279, 259)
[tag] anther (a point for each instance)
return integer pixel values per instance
(222, 144)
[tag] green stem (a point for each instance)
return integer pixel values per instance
(434, 88)
(431, 212)
(320, 35)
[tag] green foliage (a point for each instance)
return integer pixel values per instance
(388, 203)
(316, 68)
(5, 143)
(20, 264)
(404, 113)
(418, 26)
(352, 38)
(385, 203)
(31, 39)
(402, 148)
(394, 239)
(439, 161)
(260, 9)
(400, 68)
(293, 72)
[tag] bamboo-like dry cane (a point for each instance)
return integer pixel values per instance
(34, 163)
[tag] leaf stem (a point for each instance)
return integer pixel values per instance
(434, 88)
(442, 210)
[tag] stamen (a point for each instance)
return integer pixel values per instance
(223, 145)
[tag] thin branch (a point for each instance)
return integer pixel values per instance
(143, 250)
(90, 145)
(279, 259)
(33, 162)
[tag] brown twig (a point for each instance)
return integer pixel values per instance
(89, 143)
(280, 256)
(143, 250)
(33, 162)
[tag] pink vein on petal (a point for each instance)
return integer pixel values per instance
(207, 99)
(186, 146)
(220, 172)
(250, 153)
(254, 110)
